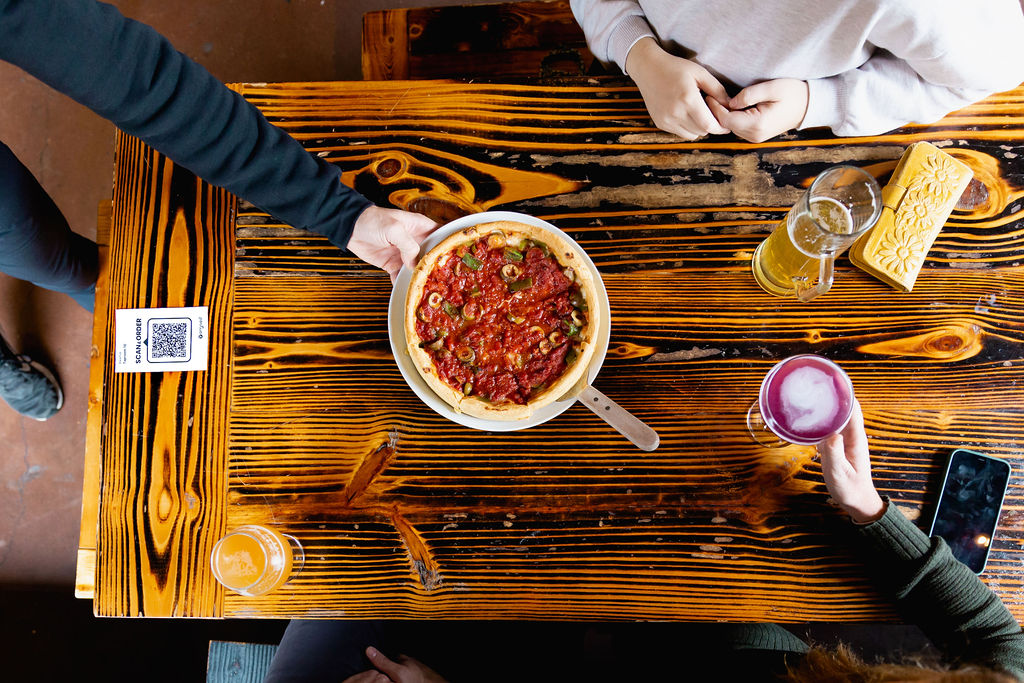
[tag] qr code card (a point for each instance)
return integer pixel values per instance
(161, 339)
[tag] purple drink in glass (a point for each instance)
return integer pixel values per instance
(805, 399)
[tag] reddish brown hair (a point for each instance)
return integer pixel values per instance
(841, 665)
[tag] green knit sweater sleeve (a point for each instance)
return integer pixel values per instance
(938, 593)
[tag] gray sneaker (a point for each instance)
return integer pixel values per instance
(29, 388)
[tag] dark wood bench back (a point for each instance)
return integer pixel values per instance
(506, 41)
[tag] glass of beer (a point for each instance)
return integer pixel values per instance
(803, 400)
(254, 560)
(798, 257)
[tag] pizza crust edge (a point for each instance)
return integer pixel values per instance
(567, 256)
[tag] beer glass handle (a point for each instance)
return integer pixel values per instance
(826, 271)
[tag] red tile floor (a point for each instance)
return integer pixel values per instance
(47, 633)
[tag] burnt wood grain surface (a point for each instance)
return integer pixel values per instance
(307, 425)
(162, 437)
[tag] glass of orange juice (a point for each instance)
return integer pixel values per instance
(254, 560)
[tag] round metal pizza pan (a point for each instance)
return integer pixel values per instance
(396, 330)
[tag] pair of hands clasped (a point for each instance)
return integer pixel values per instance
(683, 98)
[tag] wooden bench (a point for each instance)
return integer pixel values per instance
(535, 41)
(230, 662)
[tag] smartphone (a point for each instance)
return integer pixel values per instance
(969, 505)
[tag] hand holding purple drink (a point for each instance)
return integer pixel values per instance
(808, 400)
(846, 467)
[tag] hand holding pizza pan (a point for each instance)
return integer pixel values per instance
(503, 324)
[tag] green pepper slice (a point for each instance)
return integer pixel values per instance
(520, 285)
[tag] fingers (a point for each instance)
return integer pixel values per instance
(711, 85)
(846, 468)
(850, 444)
(722, 115)
(856, 423)
(855, 437)
(420, 226)
(745, 123)
(387, 238)
(831, 449)
(751, 124)
(835, 467)
(391, 668)
(705, 121)
(753, 95)
(408, 246)
(695, 122)
(368, 677)
(839, 474)
(391, 266)
(844, 456)
(406, 236)
(742, 115)
(764, 110)
(693, 119)
(700, 118)
(673, 89)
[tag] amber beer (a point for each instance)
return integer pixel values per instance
(789, 257)
(255, 560)
(797, 258)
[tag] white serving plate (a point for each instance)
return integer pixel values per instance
(396, 329)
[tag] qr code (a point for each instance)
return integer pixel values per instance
(170, 340)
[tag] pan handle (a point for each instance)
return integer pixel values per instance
(624, 422)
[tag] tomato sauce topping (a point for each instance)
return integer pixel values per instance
(501, 318)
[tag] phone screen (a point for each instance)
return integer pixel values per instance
(969, 505)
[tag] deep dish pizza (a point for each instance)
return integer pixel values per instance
(501, 319)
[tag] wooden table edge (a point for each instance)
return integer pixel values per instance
(85, 571)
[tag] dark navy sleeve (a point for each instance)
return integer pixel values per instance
(128, 73)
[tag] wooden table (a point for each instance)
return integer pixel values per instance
(303, 421)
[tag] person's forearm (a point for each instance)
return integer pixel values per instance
(129, 74)
(883, 94)
(924, 66)
(638, 55)
(942, 596)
